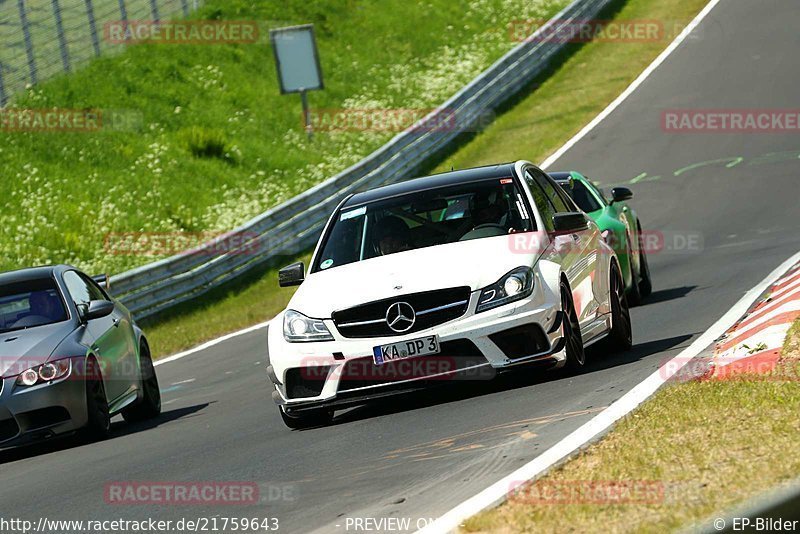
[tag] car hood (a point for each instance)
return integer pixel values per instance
(476, 263)
(23, 349)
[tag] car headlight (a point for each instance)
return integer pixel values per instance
(515, 285)
(297, 328)
(45, 373)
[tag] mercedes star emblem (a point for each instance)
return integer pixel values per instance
(400, 317)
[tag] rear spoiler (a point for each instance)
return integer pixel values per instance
(103, 281)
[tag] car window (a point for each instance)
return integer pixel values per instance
(543, 204)
(475, 210)
(30, 303)
(583, 197)
(550, 190)
(597, 190)
(80, 290)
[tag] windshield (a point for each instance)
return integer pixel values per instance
(426, 218)
(30, 303)
(582, 196)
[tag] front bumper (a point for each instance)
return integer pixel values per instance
(340, 373)
(46, 410)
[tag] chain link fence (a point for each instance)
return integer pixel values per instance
(41, 38)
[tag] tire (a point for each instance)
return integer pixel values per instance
(149, 405)
(311, 419)
(645, 284)
(634, 294)
(576, 356)
(620, 338)
(98, 424)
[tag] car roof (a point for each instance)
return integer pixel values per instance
(31, 273)
(504, 170)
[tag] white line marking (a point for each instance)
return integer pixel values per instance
(211, 343)
(188, 381)
(633, 86)
(497, 492)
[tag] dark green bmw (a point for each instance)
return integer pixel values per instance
(620, 227)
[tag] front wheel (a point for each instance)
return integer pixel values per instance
(149, 405)
(620, 337)
(309, 419)
(576, 357)
(98, 423)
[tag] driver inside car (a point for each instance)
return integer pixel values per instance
(392, 235)
(44, 307)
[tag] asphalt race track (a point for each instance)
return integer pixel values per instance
(417, 456)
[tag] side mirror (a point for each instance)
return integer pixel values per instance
(574, 221)
(292, 275)
(96, 309)
(621, 194)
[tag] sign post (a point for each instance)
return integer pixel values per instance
(297, 61)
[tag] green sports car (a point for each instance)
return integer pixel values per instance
(619, 225)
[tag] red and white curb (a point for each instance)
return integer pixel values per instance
(753, 344)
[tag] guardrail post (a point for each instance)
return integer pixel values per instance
(26, 32)
(92, 27)
(123, 11)
(3, 97)
(185, 5)
(154, 10)
(62, 40)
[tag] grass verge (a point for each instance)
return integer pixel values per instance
(686, 445)
(574, 89)
(201, 140)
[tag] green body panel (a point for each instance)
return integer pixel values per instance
(623, 223)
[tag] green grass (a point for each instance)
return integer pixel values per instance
(217, 143)
(706, 446)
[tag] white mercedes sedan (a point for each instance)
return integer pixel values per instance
(449, 277)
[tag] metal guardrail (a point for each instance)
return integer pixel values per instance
(295, 225)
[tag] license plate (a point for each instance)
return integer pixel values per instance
(406, 349)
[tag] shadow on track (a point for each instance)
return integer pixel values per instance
(520, 378)
(118, 429)
(664, 295)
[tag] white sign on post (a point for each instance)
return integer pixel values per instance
(296, 58)
(297, 61)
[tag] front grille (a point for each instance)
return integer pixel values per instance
(455, 355)
(521, 341)
(431, 308)
(305, 381)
